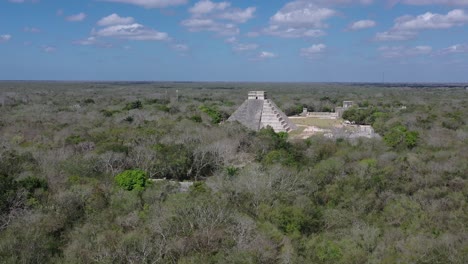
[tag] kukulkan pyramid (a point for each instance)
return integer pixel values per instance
(258, 112)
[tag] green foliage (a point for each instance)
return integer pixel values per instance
(361, 116)
(294, 110)
(280, 156)
(400, 138)
(13, 163)
(129, 119)
(109, 113)
(74, 139)
(32, 183)
(232, 171)
(211, 111)
(132, 180)
(134, 105)
(199, 188)
(88, 101)
(196, 118)
(174, 161)
(261, 197)
(8, 187)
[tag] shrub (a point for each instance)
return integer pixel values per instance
(196, 118)
(134, 105)
(216, 116)
(400, 137)
(132, 180)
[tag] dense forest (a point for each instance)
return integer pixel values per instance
(82, 168)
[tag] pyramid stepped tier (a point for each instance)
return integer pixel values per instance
(249, 114)
(259, 112)
(275, 118)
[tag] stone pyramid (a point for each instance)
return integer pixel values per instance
(258, 112)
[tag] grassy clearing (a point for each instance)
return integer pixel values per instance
(320, 123)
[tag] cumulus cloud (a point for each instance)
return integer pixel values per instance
(117, 27)
(302, 13)
(219, 17)
(202, 24)
(76, 18)
(5, 38)
(431, 2)
(313, 51)
(454, 49)
(291, 32)
(131, 32)
(240, 47)
(93, 41)
(403, 52)
(407, 27)
(362, 24)
(205, 7)
(151, 3)
(301, 18)
(22, 1)
(429, 20)
(115, 19)
(395, 35)
(266, 55)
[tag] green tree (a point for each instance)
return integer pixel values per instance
(132, 180)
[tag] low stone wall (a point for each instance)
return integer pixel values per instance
(322, 115)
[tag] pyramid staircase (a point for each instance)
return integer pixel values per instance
(258, 112)
(272, 116)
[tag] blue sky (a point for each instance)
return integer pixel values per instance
(246, 40)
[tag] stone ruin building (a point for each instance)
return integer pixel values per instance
(258, 112)
(346, 105)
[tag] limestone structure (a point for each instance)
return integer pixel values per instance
(258, 112)
(346, 105)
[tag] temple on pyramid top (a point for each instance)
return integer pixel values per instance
(258, 112)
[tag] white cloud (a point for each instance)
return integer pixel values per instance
(456, 17)
(395, 35)
(151, 3)
(222, 10)
(131, 32)
(313, 51)
(266, 55)
(92, 41)
(238, 15)
(431, 2)
(76, 18)
(48, 49)
(5, 38)
(202, 24)
(115, 19)
(22, 1)
(407, 27)
(240, 47)
(290, 32)
(206, 7)
(362, 24)
(302, 13)
(404, 52)
(458, 48)
(302, 18)
(219, 17)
